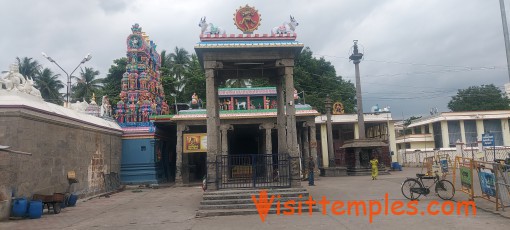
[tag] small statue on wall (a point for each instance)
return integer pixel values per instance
(209, 28)
(106, 108)
(286, 27)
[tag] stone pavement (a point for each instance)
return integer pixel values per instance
(175, 208)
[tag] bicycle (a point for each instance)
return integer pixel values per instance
(415, 187)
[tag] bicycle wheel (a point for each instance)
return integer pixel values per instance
(445, 189)
(408, 185)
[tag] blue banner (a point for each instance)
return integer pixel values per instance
(488, 183)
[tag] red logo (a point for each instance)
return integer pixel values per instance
(247, 19)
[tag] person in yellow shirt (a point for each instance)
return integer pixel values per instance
(375, 171)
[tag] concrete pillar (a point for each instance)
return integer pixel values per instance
(281, 121)
(444, 133)
(179, 175)
(356, 131)
(213, 122)
(479, 128)
(462, 132)
(505, 130)
(392, 140)
(324, 146)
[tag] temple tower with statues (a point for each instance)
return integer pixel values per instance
(141, 96)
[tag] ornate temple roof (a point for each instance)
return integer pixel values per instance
(249, 44)
(200, 114)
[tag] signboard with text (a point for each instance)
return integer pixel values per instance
(487, 139)
(465, 177)
(194, 142)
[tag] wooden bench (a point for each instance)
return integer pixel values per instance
(54, 200)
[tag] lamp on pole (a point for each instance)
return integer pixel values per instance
(85, 59)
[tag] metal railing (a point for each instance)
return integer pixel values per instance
(253, 171)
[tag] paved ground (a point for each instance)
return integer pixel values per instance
(175, 207)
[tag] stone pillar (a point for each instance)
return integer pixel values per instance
(329, 127)
(306, 148)
(213, 122)
(357, 152)
(224, 138)
(281, 122)
(179, 175)
(313, 144)
(290, 110)
(269, 147)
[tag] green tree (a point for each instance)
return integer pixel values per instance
(479, 98)
(318, 79)
(28, 67)
(179, 62)
(112, 82)
(195, 81)
(49, 85)
(87, 84)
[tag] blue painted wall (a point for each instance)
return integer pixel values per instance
(139, 164)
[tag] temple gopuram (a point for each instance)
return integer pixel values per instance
(253, 137)
(141, 96)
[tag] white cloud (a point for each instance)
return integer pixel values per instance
(442, 34)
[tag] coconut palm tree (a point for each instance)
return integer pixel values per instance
(28, 67)
(179, 62)
(49, 85)
(87, 84)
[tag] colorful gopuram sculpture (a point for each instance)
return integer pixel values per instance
(142, 93)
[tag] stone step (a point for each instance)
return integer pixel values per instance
(249, 201)
(247, 206)
(254, 191)
(248, 195)
(231, 212)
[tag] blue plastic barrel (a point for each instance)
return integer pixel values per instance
(19, 207)
(72, 200)
(35, 209)
(396, 166)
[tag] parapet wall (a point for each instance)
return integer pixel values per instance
(58, 143)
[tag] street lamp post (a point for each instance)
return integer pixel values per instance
(85, 59)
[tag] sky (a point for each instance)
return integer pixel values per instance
(417, 53)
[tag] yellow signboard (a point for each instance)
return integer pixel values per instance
(195, 142)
